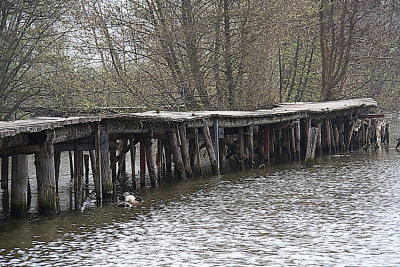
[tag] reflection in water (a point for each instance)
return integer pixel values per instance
(345, 210)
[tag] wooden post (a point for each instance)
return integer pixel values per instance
(192, 151)
(216, 143)
(159, 158)
(332, 134)
(19, 185)
(4, 173)
(185, 151)
(142, 162)
(387, 133)
(311, 145)
(179, 167)
(168, 156)
(57, 163)
(122, 150)
(45, 174)
(113, 157)
(326, 137)
(86, 160)
(266, 143)
(93, 164)
(286, 143)
(132, 152)
(241, 147)
(336, 137)
(71, 164)
(210, 149)
(78, 178)
(293, 142)
(298, 138)
(196, 163)
(341, 137)
(318, 149)
(250, 145)
(99, 161)
(107, 182)
(280, 142)
(222, 154)
(349, 135)
(150, 162)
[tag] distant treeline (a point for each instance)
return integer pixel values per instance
(82, 56)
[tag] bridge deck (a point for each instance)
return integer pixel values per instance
(282, 112)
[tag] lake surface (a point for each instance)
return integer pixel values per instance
(345, 210)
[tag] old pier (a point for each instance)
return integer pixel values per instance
(171, 142)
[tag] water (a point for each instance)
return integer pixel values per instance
(345, 210)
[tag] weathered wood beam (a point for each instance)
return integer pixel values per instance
(14, 141)
(73, 132)
(28, 149)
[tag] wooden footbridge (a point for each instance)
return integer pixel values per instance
(290, 131)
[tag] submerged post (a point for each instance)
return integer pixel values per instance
(4, 173)
(19, 185)
(45, 174)
(311, 145)
(99, 174)
(250, 145)
(132, 151)
(179, 167)
(266, 143)
(107, 182)
(196, 161)
(150, 162)
(93, 163)
(57, 163)
(185, 151)
(210, 149)
(142, 162)
(216, 144)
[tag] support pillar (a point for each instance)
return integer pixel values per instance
(99, 173)
(132, 151)
(45, 173)
(210, 150)
(92, 156)
(311, 145)
(185, 152)
(57, 163)
(19, 185)
(250, 145)
(216, 144)
(142, 162)
(4, 173)
(267, 133)
(4, 184)
(150, 162)
(179, 167)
